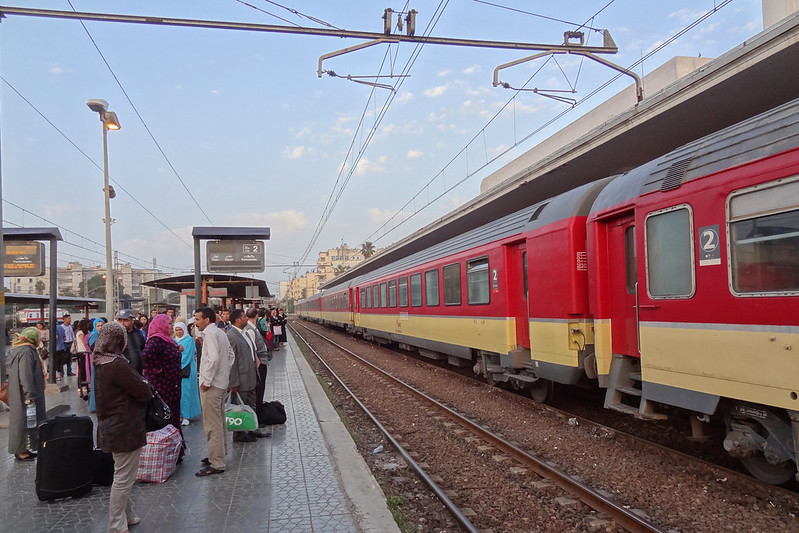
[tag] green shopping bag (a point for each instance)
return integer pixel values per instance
(239, 417)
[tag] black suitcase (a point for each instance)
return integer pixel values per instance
(64, 464)
(102, 468)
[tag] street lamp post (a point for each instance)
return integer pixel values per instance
(110, 122)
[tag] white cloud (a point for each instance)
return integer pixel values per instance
(55, 69)
(366, 166)
(404, 97)
(380, 216)
(685, 15)
(414, 154)
(289, 221)
(53, 211)
(436, 91)
(446, 72)
(472, 69)
(433, 117)
(303, 132)
(295, 153)
(214, 91)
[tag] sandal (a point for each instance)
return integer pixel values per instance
(207, 471)
(25, 458)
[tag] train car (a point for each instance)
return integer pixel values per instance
(29, 317)
(673, 286)
(695, 287)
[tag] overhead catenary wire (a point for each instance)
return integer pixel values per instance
(67, 231)
(79, 149)
(141, 119)
(330, 206)
(374, 235)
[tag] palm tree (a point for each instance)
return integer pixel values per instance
(367, 249)
(340, 269)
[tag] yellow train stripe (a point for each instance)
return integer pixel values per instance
(753, 363)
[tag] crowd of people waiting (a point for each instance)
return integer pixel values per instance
(193, 364)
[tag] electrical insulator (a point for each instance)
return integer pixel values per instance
(387, 20)
(410, 20)
(399, 21)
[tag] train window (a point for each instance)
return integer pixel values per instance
(368, 297)
(431, 287)
(383, 301)
(363, 298)
(764, 238)
(629, 259)
(392, 293)
(669, 253)
(477, 282)
(402, 285)
(375, 296)
(524, 275)
(416, 290)
(452, 284)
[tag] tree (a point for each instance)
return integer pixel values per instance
(340, 269)
(39, 287)
(367, 249)
(94, 287)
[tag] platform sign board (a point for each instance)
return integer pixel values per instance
(23, 258)
(235, 256)
(212, 293)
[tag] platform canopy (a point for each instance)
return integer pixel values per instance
(235, 285)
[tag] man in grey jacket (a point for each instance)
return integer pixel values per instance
(244, 372)
(261, 351)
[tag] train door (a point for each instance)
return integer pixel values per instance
(622, 284)
(518, 308)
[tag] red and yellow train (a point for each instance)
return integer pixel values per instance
(674, 287)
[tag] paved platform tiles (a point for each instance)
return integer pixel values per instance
(307, 477)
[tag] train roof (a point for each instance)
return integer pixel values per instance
(766, 134)
(756, 76)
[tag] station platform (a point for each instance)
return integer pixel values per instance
(308, 477)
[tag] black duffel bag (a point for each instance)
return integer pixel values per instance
(270, 413)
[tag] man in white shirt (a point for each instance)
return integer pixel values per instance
(214, 376)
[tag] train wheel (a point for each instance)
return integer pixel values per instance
(542, 390)
(766, 472)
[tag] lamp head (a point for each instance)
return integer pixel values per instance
(110, 120)
(97, 105)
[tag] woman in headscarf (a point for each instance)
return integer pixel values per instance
(162, 366)
(25, 387)
(97, 323)
(190, 390)
(122, 397)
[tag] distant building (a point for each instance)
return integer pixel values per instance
(74, 274)
(329, 264)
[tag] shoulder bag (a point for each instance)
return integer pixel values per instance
(158, 413)
(185, 372)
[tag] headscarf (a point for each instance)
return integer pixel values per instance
(111, 342)
(183, 328)
(159, 327)
(189, 348)
(27, 336)
(95, 331)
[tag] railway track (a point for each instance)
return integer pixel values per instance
(488, 465)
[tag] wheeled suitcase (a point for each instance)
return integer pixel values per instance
(64, 464)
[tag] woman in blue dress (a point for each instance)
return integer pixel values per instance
(190, 397)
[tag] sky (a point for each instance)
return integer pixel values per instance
(234, 128)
